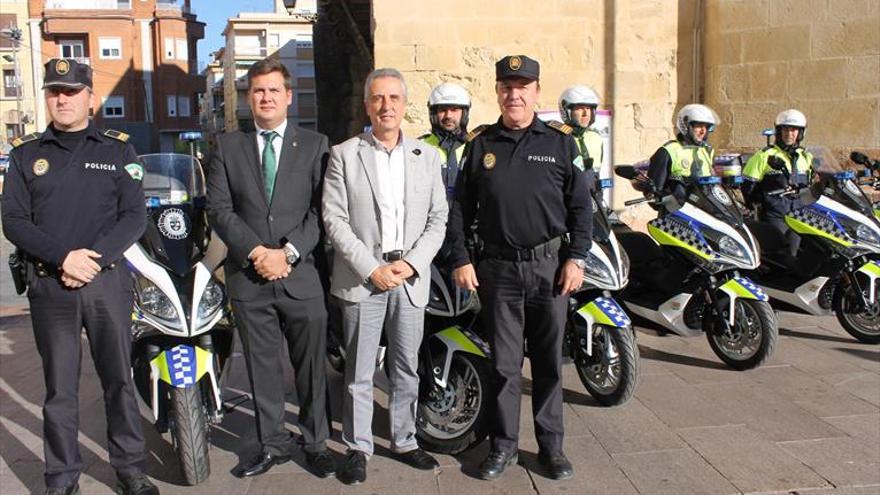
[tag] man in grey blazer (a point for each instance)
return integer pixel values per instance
(264, 197)
(384, 210)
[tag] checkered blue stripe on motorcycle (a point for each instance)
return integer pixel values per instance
(181, 365)
(613, 311)
(751, 287)
(816, 219)
(679, 228)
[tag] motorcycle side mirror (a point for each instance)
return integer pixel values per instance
(860, 158)
(768, 132)
(625, 171)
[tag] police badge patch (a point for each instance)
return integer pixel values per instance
(135, 170)
(172, 224)
(62, 67)
(41, 166)
(579, 163)
(489, 161)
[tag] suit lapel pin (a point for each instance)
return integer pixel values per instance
(417, 152)
(293, 144)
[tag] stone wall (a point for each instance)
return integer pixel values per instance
(820, 56)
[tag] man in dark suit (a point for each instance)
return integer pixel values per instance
(264, 195)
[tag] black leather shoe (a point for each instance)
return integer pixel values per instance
(137, 484)
(418, 459)
(556, 464)
(321, 463)
(64, 490)
(495, 463)
(260, 464)
(354, 468)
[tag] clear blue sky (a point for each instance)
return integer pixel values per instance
(214, 14)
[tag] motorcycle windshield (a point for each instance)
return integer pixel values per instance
(174, 189)
(711, 196)
(601, 225)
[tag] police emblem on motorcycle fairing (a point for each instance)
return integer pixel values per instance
(721, 195)
(172, 224)
(41, 166)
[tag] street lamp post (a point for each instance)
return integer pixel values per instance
(14, 33)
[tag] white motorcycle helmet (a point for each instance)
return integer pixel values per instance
(449, 94)
(695, 113)
(577, 95)
(791, 118)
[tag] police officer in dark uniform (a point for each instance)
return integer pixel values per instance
(523, 183)
(73, 203)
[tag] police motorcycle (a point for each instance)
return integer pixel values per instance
(599, 337)
(686, 271)
(870, 176)
(181, 328)
(454, 369)
(837, 268)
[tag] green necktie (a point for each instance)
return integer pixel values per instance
(269, 163)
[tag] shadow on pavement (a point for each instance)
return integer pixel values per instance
(815, 336)
(646, 352)
(873, 356)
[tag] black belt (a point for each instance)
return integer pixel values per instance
(508, 253)
(47, 270)
(395, 255)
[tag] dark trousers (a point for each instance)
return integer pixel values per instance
(265, 324)
(791, 237)
(520, 302)
(59, 315)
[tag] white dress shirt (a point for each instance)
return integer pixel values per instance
(276, 145)
(391, 176)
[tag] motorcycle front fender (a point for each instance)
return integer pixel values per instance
(602, 311)
(871, 269)
(182, 366)
(741, 287)
(456, 339)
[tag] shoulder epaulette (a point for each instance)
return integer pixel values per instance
(117, 135)
(559, 126)
(424, 136)
(476, 132)
(25, 139)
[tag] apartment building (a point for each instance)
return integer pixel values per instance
(143, 56)
(285, 33)
(17, 91)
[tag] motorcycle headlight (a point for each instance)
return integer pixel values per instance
(866, 235)
(212, 300)
(597, 270)
(152, 300)
(624, 264)
(727, 246)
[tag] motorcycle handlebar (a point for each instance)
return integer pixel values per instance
(635, 201)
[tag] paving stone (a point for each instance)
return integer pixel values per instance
(758, 407)
(810, 393)
(865, 427)
(842, 461)
(631, 427)
(273, 483)
(679, 404)
(750, 462)
(811, 360)
(594, 470)
(514, 481)
(865, 385)
(672, 472)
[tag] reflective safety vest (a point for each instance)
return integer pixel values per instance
(590, 146)
(434, 141)
(757, 166)
(689, 161)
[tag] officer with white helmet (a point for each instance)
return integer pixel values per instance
(577, 107)
(762, 178)
(448, 107)
(687, 157)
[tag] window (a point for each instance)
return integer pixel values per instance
(172, 106)
(182, 49)
(7, 21)
(113, 107)
(274, 39)
(169, 48)
(110, 48)
(304, 70)
(71, 49)
(10, 89)
(183, 106)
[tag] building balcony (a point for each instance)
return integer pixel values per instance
(250, 53)
(172, 5)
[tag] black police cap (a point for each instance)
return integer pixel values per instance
(517, 66)
(67, 73)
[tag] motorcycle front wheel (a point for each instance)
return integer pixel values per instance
(611, 372)
(189, 432)
(860, 321)
(752, 338)
(453, 419)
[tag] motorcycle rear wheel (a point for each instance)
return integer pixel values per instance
(751, 341)
(457, 420)
(189, 432)
(611, 373)
(861, 323)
